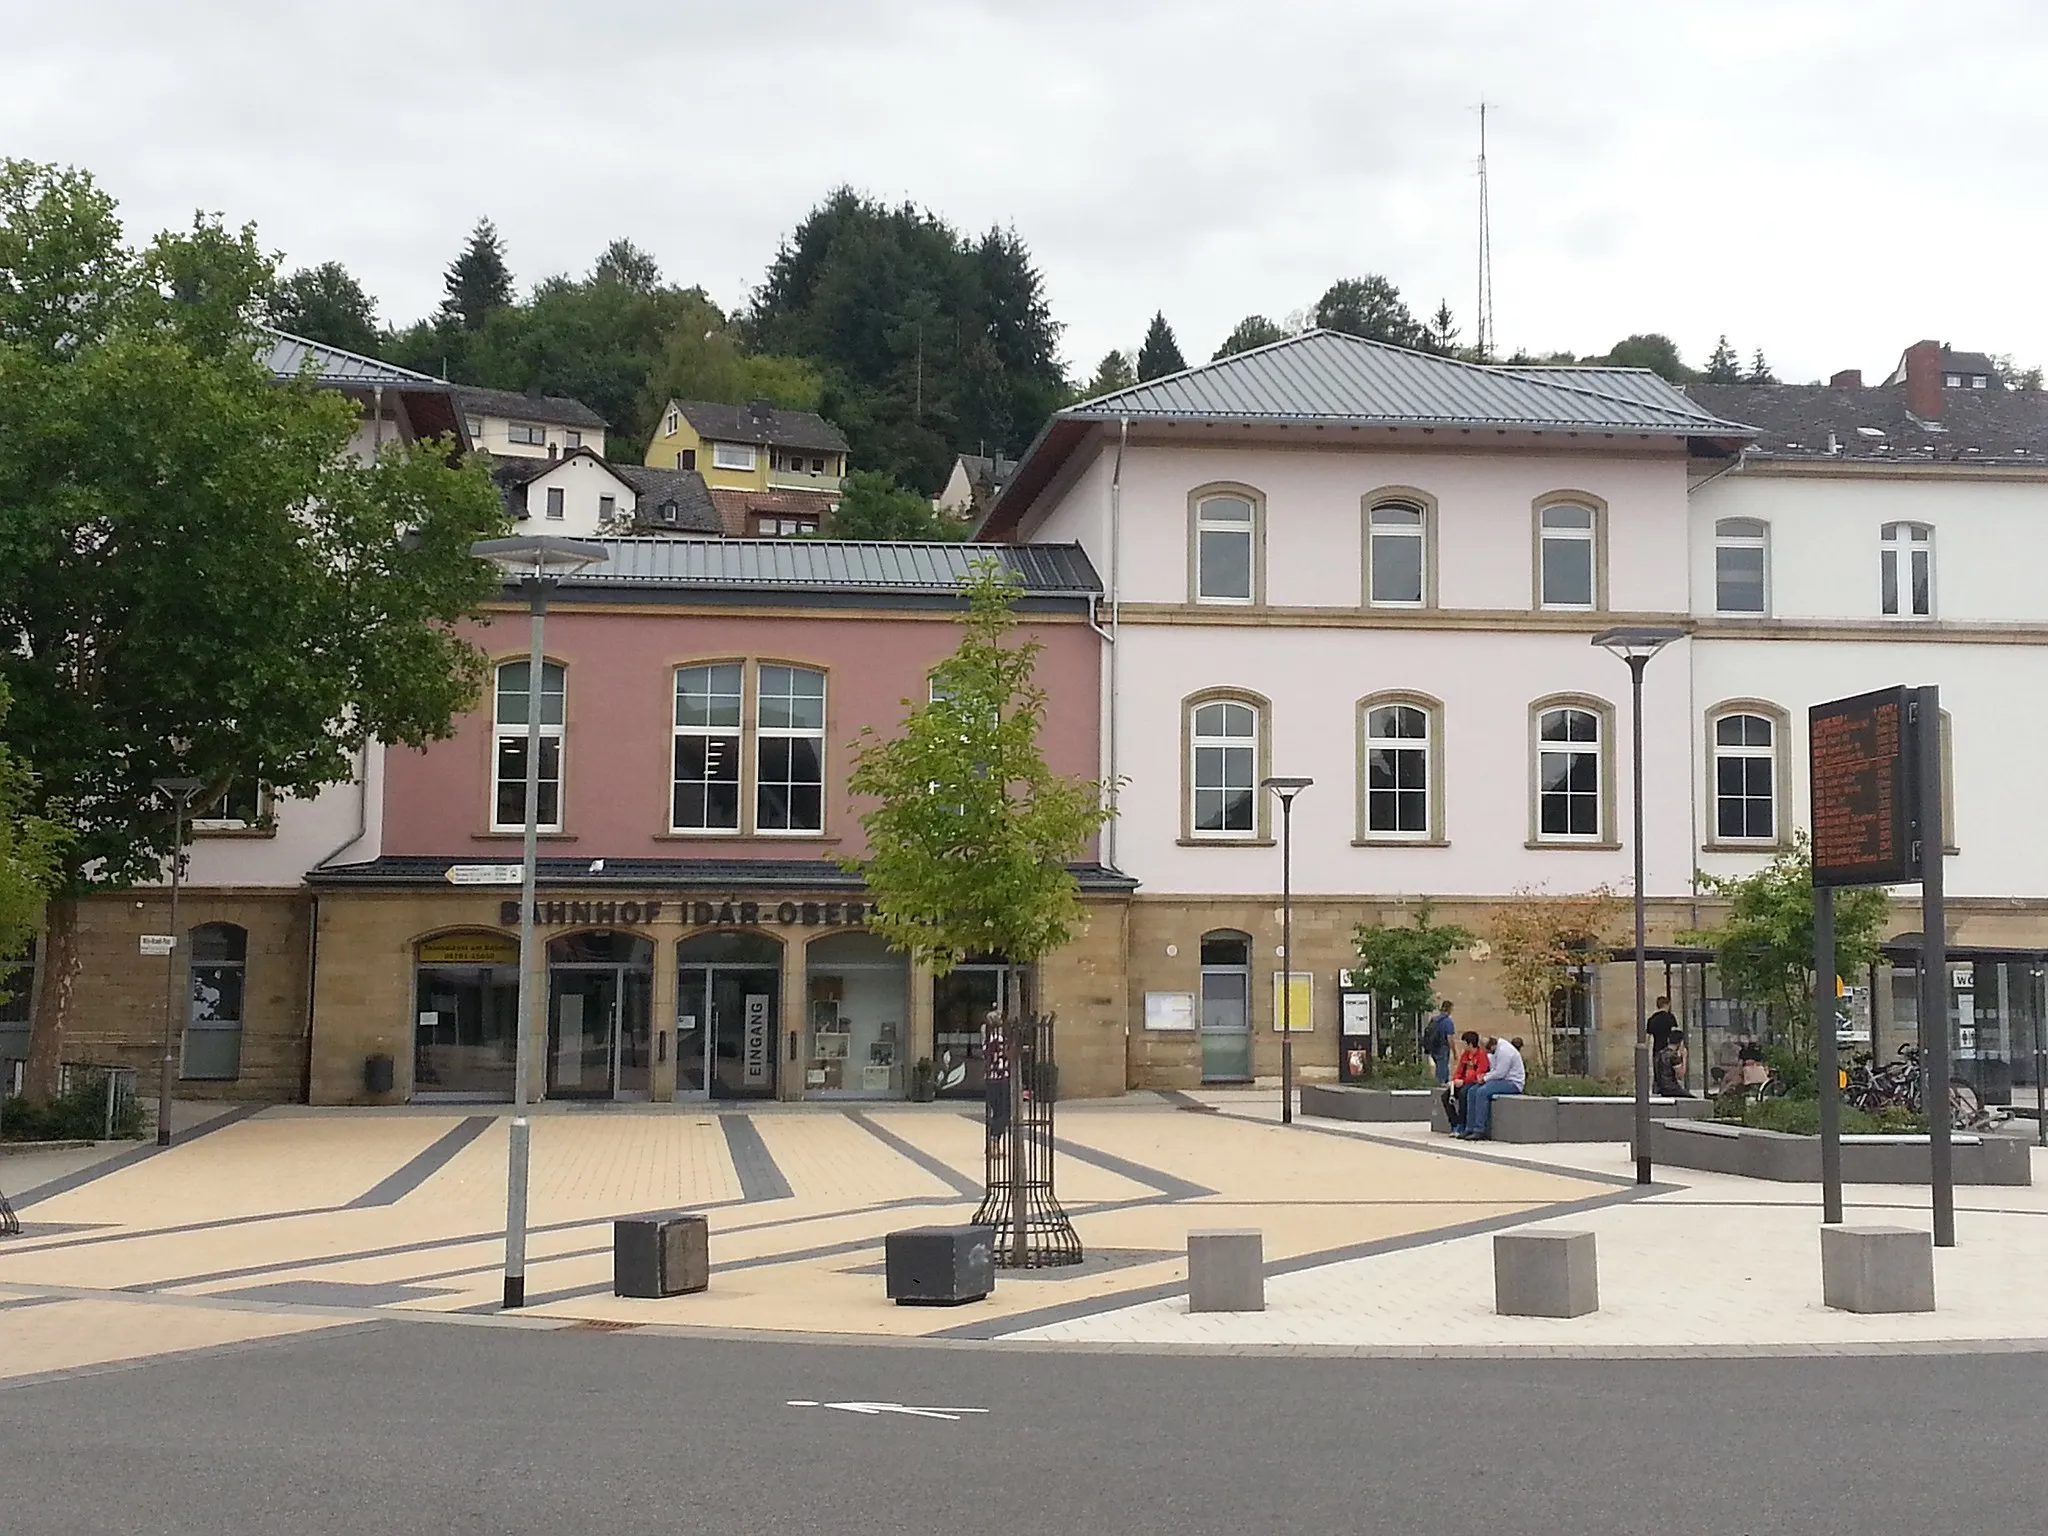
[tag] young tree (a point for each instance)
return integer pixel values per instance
(477, 281)
(1368, 306)
(1759, 370)
(1251, 331)
(1400, 966)
(326, 304)
(1160, 354)
(1723, 365)
(971, 833)
(2012, 376)
(625, 263)
(1441, 334)
(1763, 947)
(1113, 373)
(196, 580)
(30, 846)
(876, 507)
(1542, 944)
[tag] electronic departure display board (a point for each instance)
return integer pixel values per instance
(1860, 760)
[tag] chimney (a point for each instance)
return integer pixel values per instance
(1922, 367)
(1848, 378)
(761, 410)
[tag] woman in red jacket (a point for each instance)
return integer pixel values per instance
(1470, 1067)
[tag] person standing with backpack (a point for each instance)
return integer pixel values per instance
(1437, 1036)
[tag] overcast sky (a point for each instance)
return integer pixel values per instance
(1827, 179)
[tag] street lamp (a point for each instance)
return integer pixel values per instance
(181, 793)
(536, 563)
(1285, 790)
(1635, 645)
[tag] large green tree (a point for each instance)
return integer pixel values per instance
(876, 507)
(326, 303)
(1371, 307)
(478, 282)
(1160, 353)
(1251, 331)
(197, 579)
(30, 847)
(1647, 349)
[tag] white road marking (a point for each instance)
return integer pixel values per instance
(871, 1409)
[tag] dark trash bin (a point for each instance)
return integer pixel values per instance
(378, 1074)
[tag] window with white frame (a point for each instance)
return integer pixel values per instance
(1224, 769)
(1397, 771)
(1905, 570)
(508, 760)
(607, 508)
(243, 804)
(476, 428)
(1226, 535)
(1397, 555)
(707, 748)
(733, 456)
(1567, 559)
(789, 750)
(671, 424)
(1745, 778)
(1741, 563)
(526, 432)
(572, 438)
(1568, 775)
(555, 500)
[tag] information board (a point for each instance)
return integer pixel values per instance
(1860, 765)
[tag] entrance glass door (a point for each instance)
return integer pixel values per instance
(583, 1011)
(744, 1027)
(1226, 1008)
(693, 1029)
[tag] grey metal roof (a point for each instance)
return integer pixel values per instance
(528, 407)
(835, 565)
(290, 357)
(656, 875)
(1330, 377)
(763, 424)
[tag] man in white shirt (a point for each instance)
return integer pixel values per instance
(1506, 1075)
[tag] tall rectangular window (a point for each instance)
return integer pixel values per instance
(607, 508)
(1224, 773)
(213, 1022)
(1568, 775)
(789, 751)
(1745, 779)
(1397, 555)
(1566, 557)
(508, 789)
(707, 749)
(1906, 570)
(1397, 771)
(1740, 551)
(555, 500)
(1225, 536)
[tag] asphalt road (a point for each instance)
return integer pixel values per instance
(447, 1430)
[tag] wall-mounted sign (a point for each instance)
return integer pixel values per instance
(485, 874)
(158, 944)
(1173, 1011)
(1301, 984)
(1860, 761)
(470, 949)
(700, 914)
(1355, 1014)
(755, 1044)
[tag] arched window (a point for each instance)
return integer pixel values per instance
(1741, 565)
(1746, 747)
(1397, 554)
(1568, 555)
(1402, 772)
(1905, 570)
(1225, 750)
(213, 1019)
(508, 786)
(1571, 773)
(1225, 553)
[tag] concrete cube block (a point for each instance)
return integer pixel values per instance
(1523, 1120)
(940, 1266)
(1227, 1270)
(1877, 1269)
(1545, 1273)
(663, 1253)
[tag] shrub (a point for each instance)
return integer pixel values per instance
(77, 1114)
(1381, 1073)
(1801, 1117)
(1580, 1087)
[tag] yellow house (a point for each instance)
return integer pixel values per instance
(772, 472)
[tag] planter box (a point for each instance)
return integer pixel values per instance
(1347, 1101)
(1788, 1159)
(1527, 1119)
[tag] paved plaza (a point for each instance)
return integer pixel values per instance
(259, 1225)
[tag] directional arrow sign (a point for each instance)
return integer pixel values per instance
(876, 1408)
(484, 874)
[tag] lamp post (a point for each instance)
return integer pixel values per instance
(537, 563)
(1285, 790)
(1636, 645)
(181, 793)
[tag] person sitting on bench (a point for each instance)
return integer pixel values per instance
(1470, 1068)
(1506, 1074)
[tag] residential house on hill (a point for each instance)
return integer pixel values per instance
(975, 481)
(1942, 367)
(507, 424)
(584, 496)
(772, 473)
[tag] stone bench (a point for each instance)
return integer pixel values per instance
(1877, 1269)
(939, 1266)
(1546, 1272)
(1788, 1159)
(1351, 1101)
(660, 1254)
(1527, 1119)
(1227, 1270)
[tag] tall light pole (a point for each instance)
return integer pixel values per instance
(537, 563)
(1285, 790)
(1636, 645)
(181, 793)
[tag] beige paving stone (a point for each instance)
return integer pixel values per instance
(66, 1335)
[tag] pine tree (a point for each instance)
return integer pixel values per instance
(1759, 370)
(1160, 355)
(1723, 366)
(478, 280)
(1443, 331)
(1113, 373)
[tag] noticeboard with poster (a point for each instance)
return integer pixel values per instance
(1293, 1001)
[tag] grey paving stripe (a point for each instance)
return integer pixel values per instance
(131, 1157)
(391, 1190)
(995, 1328)
(943, 1171)
(1185, 1101)
(15, 1304)
(337, 1293)
(1169, 1185)
(759, 1178)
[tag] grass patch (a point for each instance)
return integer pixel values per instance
(1801, 1117)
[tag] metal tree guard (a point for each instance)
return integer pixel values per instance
(1032, 1232)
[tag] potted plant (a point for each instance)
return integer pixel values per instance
(924, 1081)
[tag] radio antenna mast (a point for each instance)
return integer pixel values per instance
(1487, 337)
